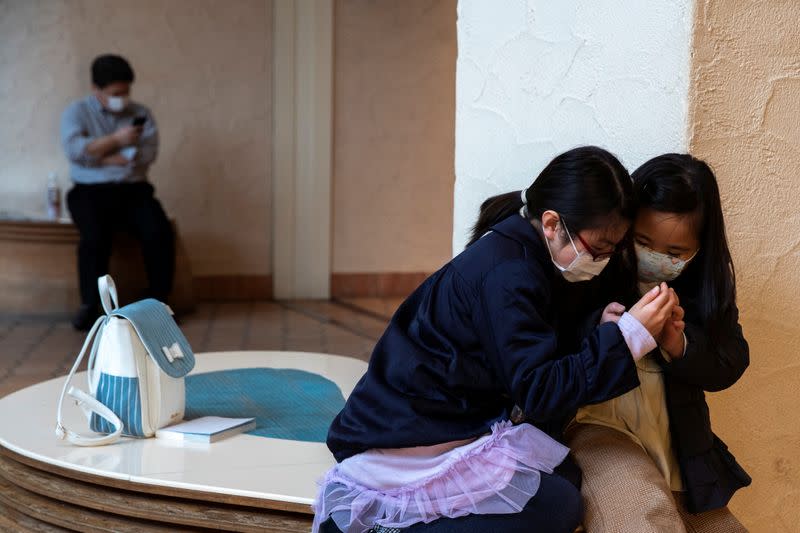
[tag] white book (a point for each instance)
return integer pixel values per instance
(206, 429)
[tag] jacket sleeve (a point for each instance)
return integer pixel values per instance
(515, 299)
(711, 365)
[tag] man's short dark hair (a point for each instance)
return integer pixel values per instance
(109, 68)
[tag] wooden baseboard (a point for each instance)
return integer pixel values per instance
(376, 285)
(38, 269)
(233, 287)
(344, 285)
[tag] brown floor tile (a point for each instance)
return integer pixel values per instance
(341, 316)
(19, 341)
(383, 308)
(60, 345)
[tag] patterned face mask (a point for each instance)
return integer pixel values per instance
(655, 266)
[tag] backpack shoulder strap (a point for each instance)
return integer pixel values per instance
(86, 402)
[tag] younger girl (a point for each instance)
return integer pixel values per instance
(424, 441)
(640, 448)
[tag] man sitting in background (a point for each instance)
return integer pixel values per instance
(111, 142)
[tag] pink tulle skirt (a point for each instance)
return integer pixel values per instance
(494, 474)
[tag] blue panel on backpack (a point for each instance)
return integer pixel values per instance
(122, 396)
(286, 403)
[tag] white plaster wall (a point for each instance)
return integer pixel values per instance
(537, 77)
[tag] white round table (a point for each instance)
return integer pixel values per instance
(243, 483)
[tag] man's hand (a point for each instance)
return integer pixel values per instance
(117, 159)
(612, 313)
(127, 135)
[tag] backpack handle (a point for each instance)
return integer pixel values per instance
(86, 402)
(108, 294)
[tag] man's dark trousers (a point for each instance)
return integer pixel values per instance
(101, 210)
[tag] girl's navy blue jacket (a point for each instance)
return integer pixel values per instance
(476, 338)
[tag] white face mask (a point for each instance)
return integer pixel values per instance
(656, 267)
(116, 103)
(583, 267)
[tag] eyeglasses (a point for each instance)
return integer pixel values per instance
(595, 255)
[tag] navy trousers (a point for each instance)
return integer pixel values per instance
(99, 211)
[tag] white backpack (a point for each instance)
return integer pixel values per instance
(137, 364)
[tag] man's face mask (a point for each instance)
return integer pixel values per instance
(116, 103)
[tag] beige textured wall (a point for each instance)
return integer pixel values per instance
(746, 123)
(203, 67)
(394, 134)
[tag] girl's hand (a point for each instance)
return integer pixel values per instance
(655, 308)
(612, 312)
(672, 340)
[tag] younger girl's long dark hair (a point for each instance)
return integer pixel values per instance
(585, 185)
(680, 183)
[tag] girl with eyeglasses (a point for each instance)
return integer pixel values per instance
(425, 442)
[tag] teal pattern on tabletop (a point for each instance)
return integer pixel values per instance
(287, 403)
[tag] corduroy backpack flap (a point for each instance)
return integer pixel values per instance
(137, 364)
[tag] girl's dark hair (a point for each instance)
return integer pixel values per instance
(110, 68)
(585, 185)
(680, 183)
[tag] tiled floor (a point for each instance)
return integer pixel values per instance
(33, 349)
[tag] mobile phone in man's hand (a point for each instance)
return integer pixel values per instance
(139, 121)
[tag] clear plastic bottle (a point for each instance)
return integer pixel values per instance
(53, 197)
